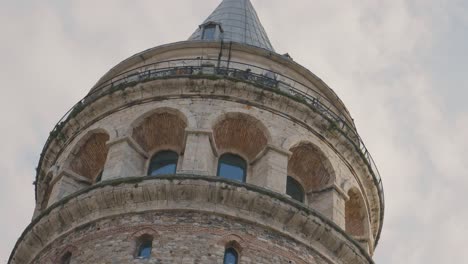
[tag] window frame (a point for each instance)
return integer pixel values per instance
(244, 177)
(210, 26)
(234, 252)
(298, 185)
(142, 244)
(155, 155)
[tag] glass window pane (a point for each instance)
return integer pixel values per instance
(209, 32)
(145, 250)
(164, 169)
(232, 167)
(230, 256)
(163, 163)
(294, 189)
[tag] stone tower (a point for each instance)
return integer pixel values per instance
(211, 150)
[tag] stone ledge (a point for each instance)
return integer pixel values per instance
(234, 91)
(195, 193)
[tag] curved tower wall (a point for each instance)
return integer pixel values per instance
(202, 100)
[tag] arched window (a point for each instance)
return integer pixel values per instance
(144, 247)
(66, 259)
(232, 167)
(294, 189)
(231, 256)
(164, 162)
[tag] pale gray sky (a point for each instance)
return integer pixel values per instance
(399, 65)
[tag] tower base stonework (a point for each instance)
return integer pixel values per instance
(191, 219)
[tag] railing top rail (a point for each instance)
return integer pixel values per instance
(105, 83)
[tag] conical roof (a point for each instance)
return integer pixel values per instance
(239, 23)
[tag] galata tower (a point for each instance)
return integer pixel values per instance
(212, 150)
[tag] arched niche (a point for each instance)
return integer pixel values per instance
(310, 167)
(90, 155)
(355, 215)
(240, 134)
(161, 129)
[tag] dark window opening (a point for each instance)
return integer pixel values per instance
(209, 32)
(66, 259)
(162, 163)
(294, 189)
(231, 256)
(232, 167)
(145, 245)
(99, 177)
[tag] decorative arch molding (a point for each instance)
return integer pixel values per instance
(292, 141)
(88, 134)
(181, 112)
(310, 166)
(240, 134)
(161, 128)
(346, 185)
(296, 140)
(145, 231)
(89, 155)
(233, 241)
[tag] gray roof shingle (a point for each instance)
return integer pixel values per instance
(240, 23)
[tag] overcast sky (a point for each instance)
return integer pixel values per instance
(400, 66)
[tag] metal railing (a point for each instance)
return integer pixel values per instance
(252, 74)
(284, 82)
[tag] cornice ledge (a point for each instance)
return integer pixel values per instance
(268, 208)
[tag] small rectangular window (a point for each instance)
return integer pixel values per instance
(144, 247)
(209, 32)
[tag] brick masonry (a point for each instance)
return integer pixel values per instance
(124, 203)
(179, 237)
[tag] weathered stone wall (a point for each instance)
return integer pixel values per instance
(179, 237)
(238, 56)
(194, 215)
(268, 165)
(203, 142)
(122, 205)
